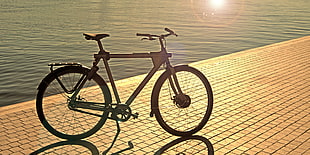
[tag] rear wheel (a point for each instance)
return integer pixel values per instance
(184, 113)
(54, 95)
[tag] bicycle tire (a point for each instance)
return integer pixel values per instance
(52, 103)
(187, 120)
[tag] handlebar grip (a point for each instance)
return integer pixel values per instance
(168, 30)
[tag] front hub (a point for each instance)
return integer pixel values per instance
(182, 100)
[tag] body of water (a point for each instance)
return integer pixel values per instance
(37, 32)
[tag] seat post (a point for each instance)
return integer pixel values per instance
(100, 46)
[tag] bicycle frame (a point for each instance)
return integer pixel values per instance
(158, 59)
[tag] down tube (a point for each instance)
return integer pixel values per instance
(142, 85)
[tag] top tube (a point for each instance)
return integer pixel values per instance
(139, 55)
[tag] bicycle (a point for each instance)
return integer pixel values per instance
(73, 101)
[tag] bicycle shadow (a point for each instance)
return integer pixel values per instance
(184, 145)
(188, 145)
(58, 148)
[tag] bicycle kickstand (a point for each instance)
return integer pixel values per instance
(117, 133)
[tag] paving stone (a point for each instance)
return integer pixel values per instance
(261, 106)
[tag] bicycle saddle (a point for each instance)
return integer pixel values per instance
(94, 36)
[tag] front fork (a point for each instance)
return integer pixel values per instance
(173, 81)
(177, 95)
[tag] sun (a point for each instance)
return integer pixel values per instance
(217, 3)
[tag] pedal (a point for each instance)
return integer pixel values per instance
(135, 115)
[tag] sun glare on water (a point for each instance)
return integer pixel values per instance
(217, 13)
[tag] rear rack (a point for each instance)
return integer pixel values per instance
(63, 64)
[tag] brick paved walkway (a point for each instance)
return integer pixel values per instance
(261, 106)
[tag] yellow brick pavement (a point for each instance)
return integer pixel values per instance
(261, 106)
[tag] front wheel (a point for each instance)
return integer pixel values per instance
(53, 98)
(182, 110)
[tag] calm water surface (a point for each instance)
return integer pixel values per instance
(37, 32)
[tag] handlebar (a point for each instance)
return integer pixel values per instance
(153, 37)
(171, 32)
